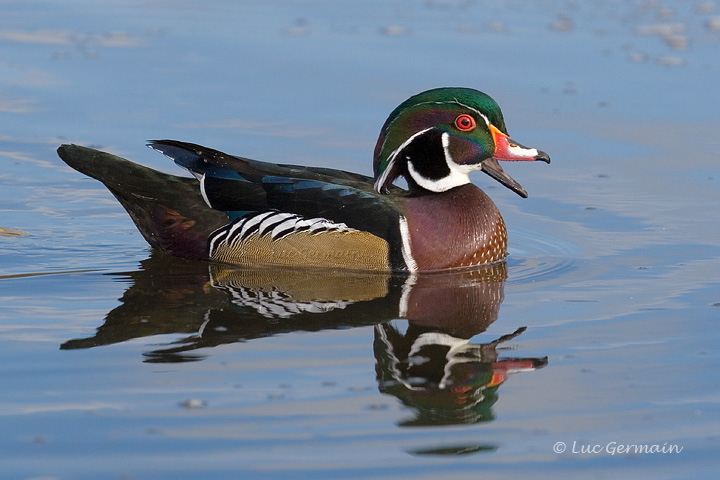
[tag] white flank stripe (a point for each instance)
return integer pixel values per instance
(278, 216)
(234, 228)
(319, 224)
(236, 232)
(252, 221)
(213, 240)
(290, 222)
(405, 297)
(406, 253)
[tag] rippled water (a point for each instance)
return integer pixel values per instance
(598, 332)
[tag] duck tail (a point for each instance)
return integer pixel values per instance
(168, 210)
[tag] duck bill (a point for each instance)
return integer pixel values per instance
(506, 149)
(493, 168)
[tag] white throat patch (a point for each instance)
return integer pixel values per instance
(459, 174)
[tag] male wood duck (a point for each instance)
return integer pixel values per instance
(251, 213)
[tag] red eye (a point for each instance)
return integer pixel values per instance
(465, 123)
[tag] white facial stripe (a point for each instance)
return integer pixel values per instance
(391, 159)
(482, 115)
(459, 174)
(458, 102)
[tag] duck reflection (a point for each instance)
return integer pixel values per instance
(432, 367)
(423, 324)
(445, 379)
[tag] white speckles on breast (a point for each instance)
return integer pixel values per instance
(492, 250)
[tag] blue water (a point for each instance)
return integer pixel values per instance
(119, 363)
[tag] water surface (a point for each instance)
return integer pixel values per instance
(598, 332)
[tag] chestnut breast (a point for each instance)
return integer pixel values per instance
(461, 227)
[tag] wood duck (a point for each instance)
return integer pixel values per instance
(246, 212)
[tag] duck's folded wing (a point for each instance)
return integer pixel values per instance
(237, 185)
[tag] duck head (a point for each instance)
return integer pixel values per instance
(436, 138)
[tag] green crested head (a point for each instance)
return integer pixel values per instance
(435, 138)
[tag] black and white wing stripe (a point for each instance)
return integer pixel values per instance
(276, 224)
(277, 304)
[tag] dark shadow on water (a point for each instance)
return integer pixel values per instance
(423, 325)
